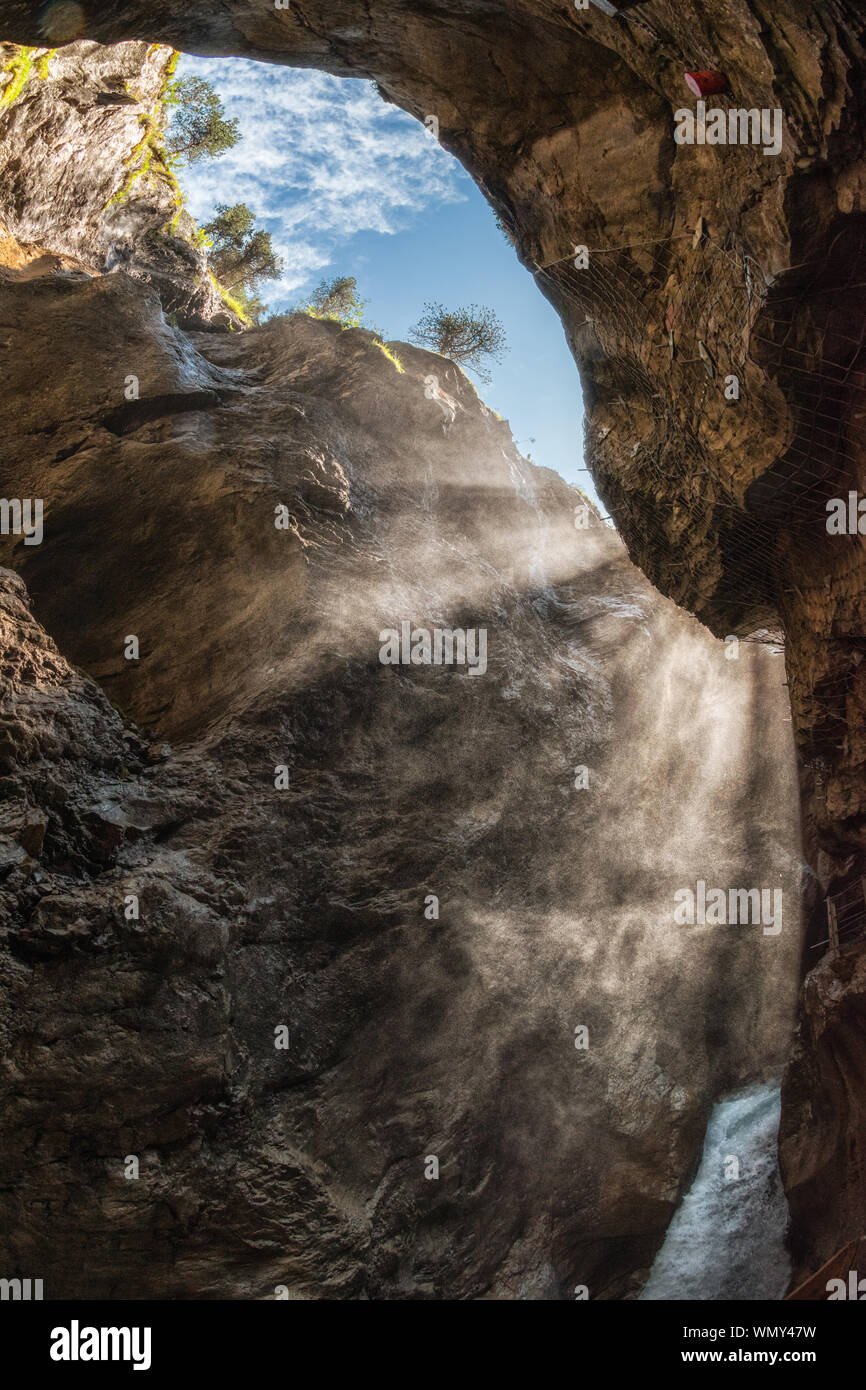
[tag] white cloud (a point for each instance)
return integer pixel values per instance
(320, 159)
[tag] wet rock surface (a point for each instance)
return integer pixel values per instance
(410, 1036)
(822, 1132)
(566, 120)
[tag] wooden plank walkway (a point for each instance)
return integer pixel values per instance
(846, 918)
(851, 1259)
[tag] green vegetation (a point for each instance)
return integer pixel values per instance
(44, 62)
(198, 122)
(509, 236)
(143, 147)
(198, 125)
(149, 158)
(336, 299)
(467, 335)
(254, 309)
(199, 129)
(231, 303)
(187, 123)
(19, 68)
(242, 256)
(170, 70)
(391, 356)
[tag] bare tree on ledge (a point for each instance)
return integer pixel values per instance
(467, 336)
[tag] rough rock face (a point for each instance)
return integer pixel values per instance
(84, 182)
(565, 118)
(410, 1036)
(821, 1138)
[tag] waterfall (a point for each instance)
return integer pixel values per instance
(726, 1238)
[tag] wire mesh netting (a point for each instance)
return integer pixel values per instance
(678, 321)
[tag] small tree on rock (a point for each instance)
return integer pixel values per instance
(241, 256)
(197, 125)
(337, 299)
(467, 335)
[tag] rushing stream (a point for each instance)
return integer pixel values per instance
(726, 1239)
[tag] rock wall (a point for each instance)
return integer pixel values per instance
(821, 1139)
(85, 183)
(566, 119)
(410, 1036)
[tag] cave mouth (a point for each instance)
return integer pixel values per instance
(433, 1008)
(702, 1255)
(348, 184)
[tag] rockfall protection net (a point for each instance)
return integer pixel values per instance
(714, 303)
(723, 318)
(849, 905)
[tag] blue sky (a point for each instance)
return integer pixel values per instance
(348, 185)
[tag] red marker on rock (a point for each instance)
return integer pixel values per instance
(704, 84)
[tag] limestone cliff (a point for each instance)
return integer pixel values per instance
(565, 117)
(168, 907)
(85, 183)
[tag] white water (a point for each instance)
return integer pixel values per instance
(726, 1238)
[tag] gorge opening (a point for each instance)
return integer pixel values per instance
(453, 1036)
